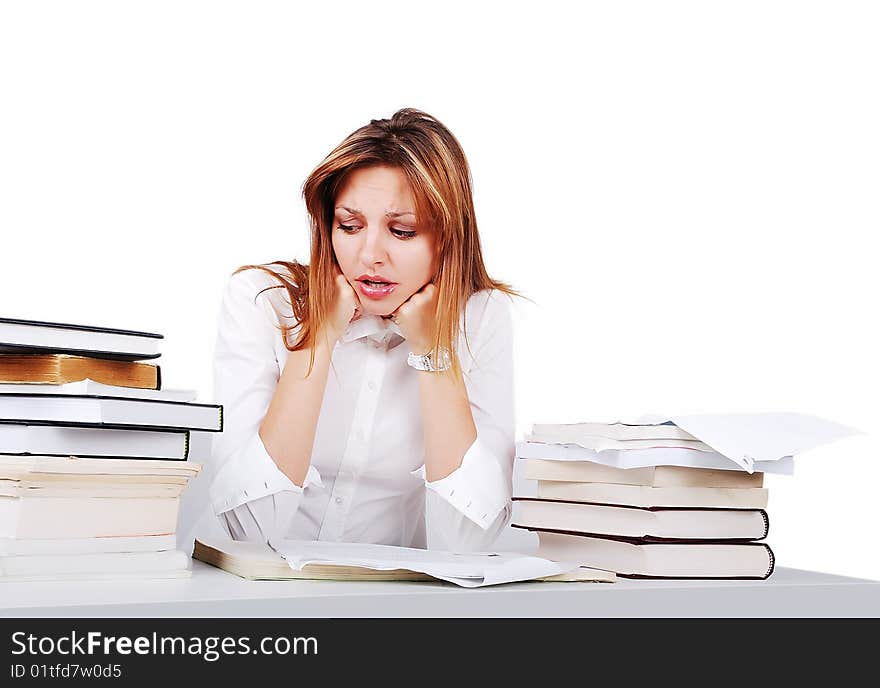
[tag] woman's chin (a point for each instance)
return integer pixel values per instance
(376, 309)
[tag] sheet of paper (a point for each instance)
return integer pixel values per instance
(470, 570)
(641, 458)
(748, 438)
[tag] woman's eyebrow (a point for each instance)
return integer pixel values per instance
(356, 211)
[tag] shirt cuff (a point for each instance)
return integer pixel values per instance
(476, 488)
(251, 473)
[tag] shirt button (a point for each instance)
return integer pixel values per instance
(339, 500)
(371, 385)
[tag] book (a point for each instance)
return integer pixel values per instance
(651, 523)
(111, 412)
(647, 496)
(565, 432)
(95, 489)
(641, 458)
(632, 558)
(258, 561)
(55, 369)
(652, 476)
(90, 442)
(603, 443)
(92, 388)
(100, 565)
(92, 545)
(24, 517)
(44, 467)
(34, 336)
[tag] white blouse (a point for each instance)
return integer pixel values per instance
(366, 482)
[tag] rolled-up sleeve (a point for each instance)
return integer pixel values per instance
(468, 509)
(250, 495)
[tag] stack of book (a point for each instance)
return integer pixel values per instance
(643, 501)
(94, 455)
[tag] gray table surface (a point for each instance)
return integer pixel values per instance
(211, 592)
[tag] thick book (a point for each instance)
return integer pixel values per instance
(258, 561)
(632, 558)
(115, 490)
(651, 476)
(69, 517)
(101, 565)
(109, 412)
(646, 496)
(91, 545)
(652, 523)
(89, 442)
(92, 388)
(34, 336)
(568, 432)
(57, 369)
(71, 467)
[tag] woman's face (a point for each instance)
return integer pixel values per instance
(375, 236)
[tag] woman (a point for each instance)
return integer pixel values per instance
(354, 411)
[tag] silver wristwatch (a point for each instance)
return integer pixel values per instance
(426, 361)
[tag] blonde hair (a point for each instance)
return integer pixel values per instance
(439, 176)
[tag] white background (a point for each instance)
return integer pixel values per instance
(687, 191)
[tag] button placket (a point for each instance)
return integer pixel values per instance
(356, 452)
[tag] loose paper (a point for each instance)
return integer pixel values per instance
(469, 570)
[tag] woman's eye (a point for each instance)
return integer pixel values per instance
(399, 233)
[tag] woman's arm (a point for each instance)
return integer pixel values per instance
(262, 459)
(469, 439)
(251, 497)
(447, 420)
(288, 429)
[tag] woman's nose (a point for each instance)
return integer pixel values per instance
(373, 250)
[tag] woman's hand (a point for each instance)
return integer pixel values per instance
(415, 317)
(346, 308)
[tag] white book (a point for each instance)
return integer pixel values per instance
(648, 496)
(642, 458)
(92, 545)
(654, 523)
(604, 443)
(103, 565)
(110, 411)
(570, 432)
(32, 336)
(258, 561)
(654, 476)
(635, 559)
(14, 488)
(63, 517)
(92, 388)
(51, 440)
(41, 466)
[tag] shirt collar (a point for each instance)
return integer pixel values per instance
(373, 327)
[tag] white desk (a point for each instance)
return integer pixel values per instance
(211, 592)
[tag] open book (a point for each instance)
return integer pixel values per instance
(259, 561)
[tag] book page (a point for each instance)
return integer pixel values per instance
(467, 569)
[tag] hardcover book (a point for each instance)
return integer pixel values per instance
(57, 369)
(652, 523)
(634, 558)
(34, 336)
